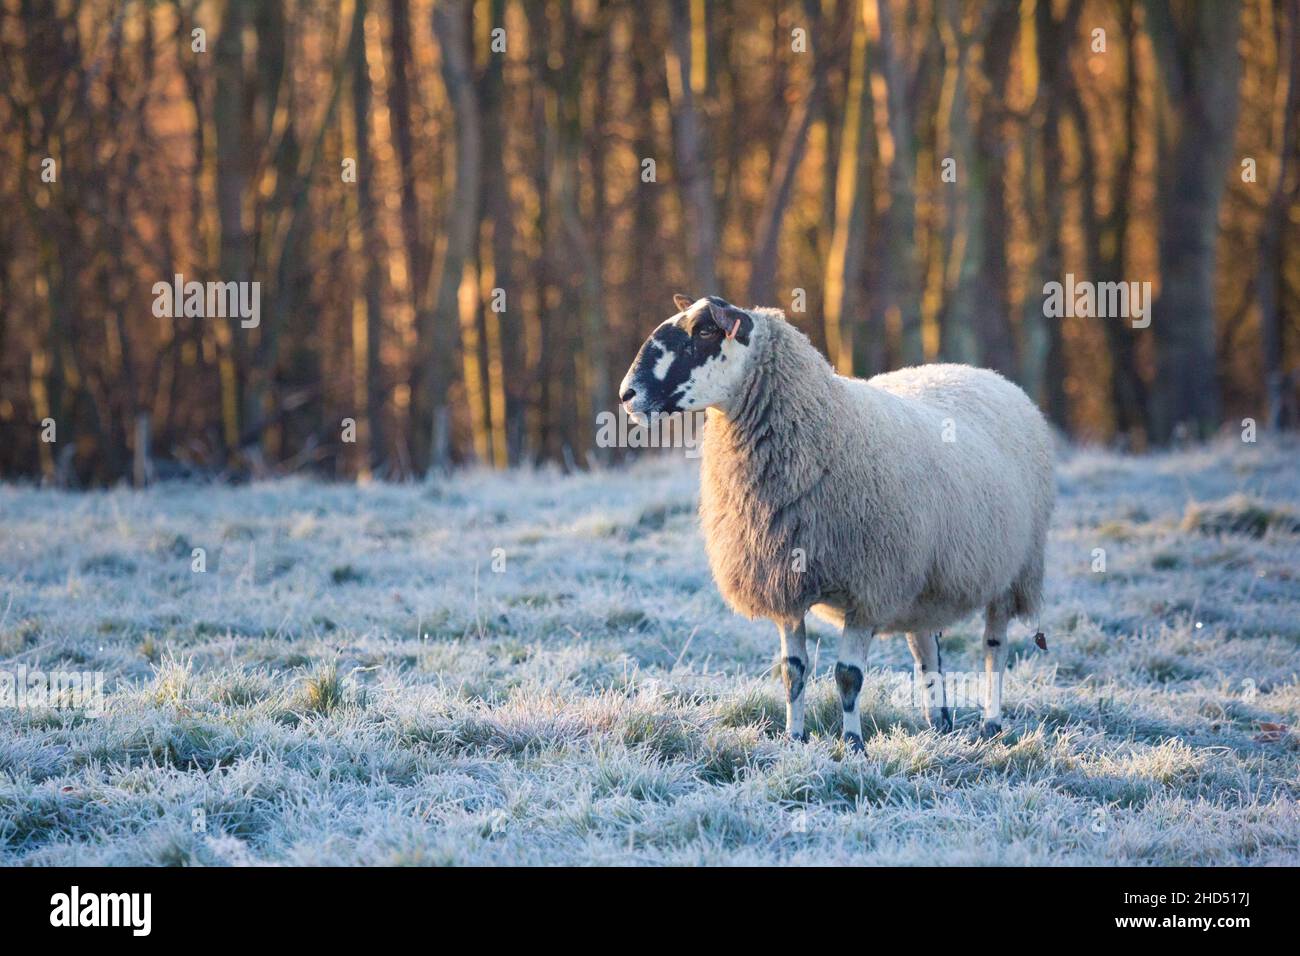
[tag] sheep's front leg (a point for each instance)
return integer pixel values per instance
(929, 678)
(854, 644)
(794, 672)
(995, 662)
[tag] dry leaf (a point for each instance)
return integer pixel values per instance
(1271, 733)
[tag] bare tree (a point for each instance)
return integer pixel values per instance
(451, 27)
(1106, 236)
(991, 299)
(372, 280)
(904, 265)
(695, 171)
(963, 199)
(499, 209)
(232, 183)
(1044, 366)
(842, 300)
(789, 154)
(1271, 282)
(1196, 46)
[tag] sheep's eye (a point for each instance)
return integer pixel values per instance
(709, 331)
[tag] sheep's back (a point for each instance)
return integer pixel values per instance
(972, 471)
(977, 398)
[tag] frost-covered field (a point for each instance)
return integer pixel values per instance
(351, 681)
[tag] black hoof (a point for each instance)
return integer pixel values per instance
(944, 725)
(990, 729)
(801, 738)
(853, 742)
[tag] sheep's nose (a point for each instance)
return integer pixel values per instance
(628, 394)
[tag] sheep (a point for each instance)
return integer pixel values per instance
(897, 504)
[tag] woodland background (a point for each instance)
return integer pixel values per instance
(522, 170)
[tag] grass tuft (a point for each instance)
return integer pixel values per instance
(1239, 514)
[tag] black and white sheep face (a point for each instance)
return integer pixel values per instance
(693, 360)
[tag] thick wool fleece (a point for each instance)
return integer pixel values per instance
(841, 495)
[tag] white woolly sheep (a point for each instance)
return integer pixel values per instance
(901, 503)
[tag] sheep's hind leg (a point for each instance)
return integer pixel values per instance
(995, 662)
(852, 664)
(794, 673)
(929, 679)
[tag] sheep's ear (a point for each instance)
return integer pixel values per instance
(733, 321)
(682, 302)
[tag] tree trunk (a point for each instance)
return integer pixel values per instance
(991, 319)
(1049, 369)
(509, 386)
(451, 23)
(904, 264)
(231, 184)
(419, 257)
(963, 198)
(1271, 283)
(841, 300)
(694, 169)
(789, 154)
(375, 394)
(1106, 239)
(1199, 62)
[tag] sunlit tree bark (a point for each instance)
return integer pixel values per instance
(904, 265)
(688, 46)
(372, 282)
(452, 28)
(785, 164)
(843, 302)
